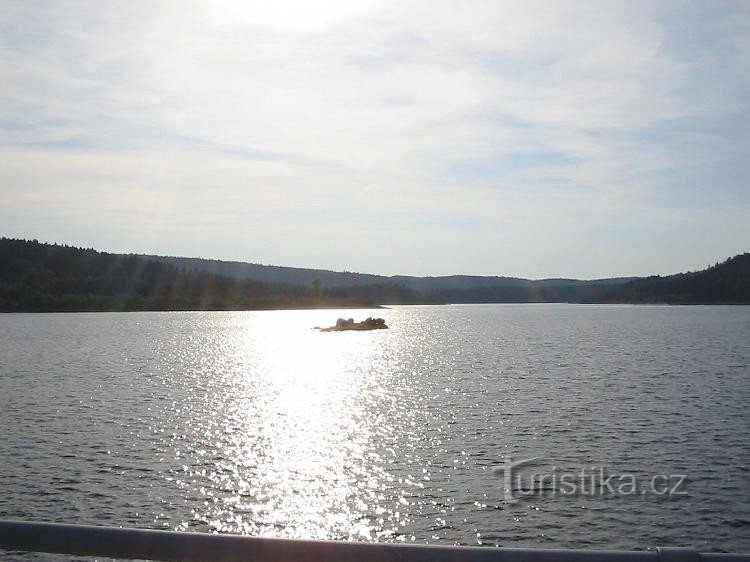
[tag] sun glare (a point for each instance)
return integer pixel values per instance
(296, 405)
(292, 15)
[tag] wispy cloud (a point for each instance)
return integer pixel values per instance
(525, 138)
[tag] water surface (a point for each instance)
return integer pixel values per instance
(251, 422)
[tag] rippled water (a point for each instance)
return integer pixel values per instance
(251, 422)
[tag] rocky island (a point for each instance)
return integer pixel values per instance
(343, 324)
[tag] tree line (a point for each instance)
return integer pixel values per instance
(41, 277)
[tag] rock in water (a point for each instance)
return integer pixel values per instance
(343, 324)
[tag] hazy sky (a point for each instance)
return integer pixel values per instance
(537, 139)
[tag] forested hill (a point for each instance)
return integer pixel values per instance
(726, 282)
(50, 277)
(431, 288)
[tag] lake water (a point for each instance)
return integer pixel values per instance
(251, 422)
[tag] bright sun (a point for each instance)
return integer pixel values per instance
(293, 15)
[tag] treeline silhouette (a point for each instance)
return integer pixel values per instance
(385, 293)
(723, 283)
(37, 277)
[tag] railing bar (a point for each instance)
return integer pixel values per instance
(142, 544)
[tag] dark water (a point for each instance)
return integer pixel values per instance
(250, 422)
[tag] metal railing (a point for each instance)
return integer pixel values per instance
(81, 540)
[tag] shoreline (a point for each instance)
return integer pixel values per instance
(367, 307)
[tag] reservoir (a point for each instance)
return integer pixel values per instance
(253, 423)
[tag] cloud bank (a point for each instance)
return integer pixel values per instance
(525, 138)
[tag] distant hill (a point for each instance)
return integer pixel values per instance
(273, 274)
(726, 282)
(723, 283)
(408, 289)
(40, 277)
(48, 277)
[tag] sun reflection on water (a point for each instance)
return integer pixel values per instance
(295, 413)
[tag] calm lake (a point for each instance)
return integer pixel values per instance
(251, 422)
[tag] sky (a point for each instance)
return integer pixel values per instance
(581, 139)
